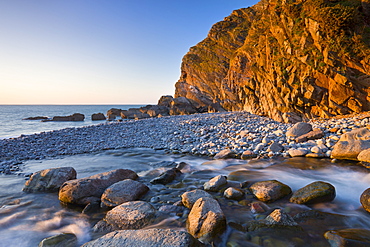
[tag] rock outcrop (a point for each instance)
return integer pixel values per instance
(289, 60)
(74, 117)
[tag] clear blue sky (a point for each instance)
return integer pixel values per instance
(99, 51)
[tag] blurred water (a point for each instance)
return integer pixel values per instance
(12, 125)
(25, 219)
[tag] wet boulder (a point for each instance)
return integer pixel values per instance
(215, 183)
(351, 144)
(315, 192)
(60, 240)
(128, 215)
(299, 129)
(270, 190)
(206, 219)
(49, 180)
(167, 176)
(233, 193)
(365, 200)
(225, 154)
(348, 237)
(247, 154)
(190, 197)
(85, 190)
(146, 238)
(123, 191)
(279, 217)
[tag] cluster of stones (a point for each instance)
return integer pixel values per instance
(167, 105)
(131, 208)
(74, 117)
(242, 134)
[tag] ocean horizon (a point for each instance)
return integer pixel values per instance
(12, 124)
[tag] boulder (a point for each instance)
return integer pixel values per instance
(297, 152)
(165, 100)
(215, 183)
(74, 117)
(146, 238)
(364, 156)
(113, 113)
(155, 110)
(60, 240)
(85, 190)
(279, 217)
(206, 219)
(225, 154)
(97, 117)
(348, 237)
(167, 176)
(299, 129)
(36, 118)
(128, 215)
(275, 147)
(248, 155)
(49, 180)
(182, 106)
(133, 113)
(190, 197)
(365, 200)
(315, 192)
(123, 191)
(233, 193)
(351, 144)
(269, 191)
(312, 135)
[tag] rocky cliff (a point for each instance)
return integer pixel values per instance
(286, 59)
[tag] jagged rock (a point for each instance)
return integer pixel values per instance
(134, 113)
(365, 200)
(60, 240)
(315, 192)
(123, 191)
(233, 193)
(206, 219)
(155, 110)
(128, 215)
(167, 176)
(348, 237)
(282, 59)
(279, 217)
(85, 190)
(146, 238)
(269, 191)
(190, 197)
(182, 106)
(299, 129)
(49, 180)
(215, 183)
(351, 144)
(165, 101)
(73, 117)
(225, 154)
(97, 117)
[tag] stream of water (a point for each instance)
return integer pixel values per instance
(25, 219)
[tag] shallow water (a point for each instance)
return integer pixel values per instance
(25, 219)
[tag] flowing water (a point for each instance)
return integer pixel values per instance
(25, 219)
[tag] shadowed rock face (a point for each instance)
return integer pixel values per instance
(308, 58)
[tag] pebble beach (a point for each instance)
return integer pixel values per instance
(197, 134)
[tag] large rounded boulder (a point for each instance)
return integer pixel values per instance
(123, 191)
(90, 189)
(365, 200)
(270, 190)
(49, 180)
(315, 192)
(351, 144)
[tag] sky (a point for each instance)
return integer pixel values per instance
(99, 51)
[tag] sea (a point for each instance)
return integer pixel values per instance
(28, 218)
(13, 125)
